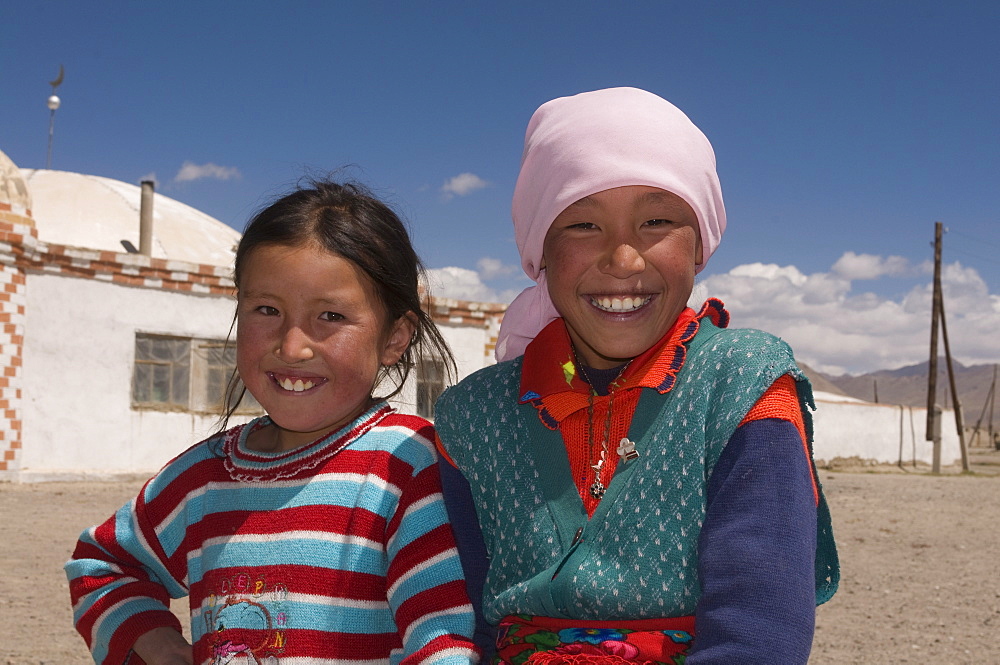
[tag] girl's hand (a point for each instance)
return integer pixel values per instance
(164, 646)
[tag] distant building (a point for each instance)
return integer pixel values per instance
(114, 360)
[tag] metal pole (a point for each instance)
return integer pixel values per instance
(52, 125)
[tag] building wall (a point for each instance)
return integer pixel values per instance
(17, 238)
(79, 359)
(879, 433)
(468, 342)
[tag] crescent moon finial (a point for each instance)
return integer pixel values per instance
(59, 79)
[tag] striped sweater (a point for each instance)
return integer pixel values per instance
(332, 552)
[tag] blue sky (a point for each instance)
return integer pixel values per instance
(843, 132)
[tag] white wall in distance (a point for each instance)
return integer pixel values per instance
(78, 357)
(882, 433)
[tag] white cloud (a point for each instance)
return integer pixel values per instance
(490, 268)
(463, 184)
(837, 329)
(465, 284)
(191, 171)
(869, 266)
(769, 271)
(460, 284)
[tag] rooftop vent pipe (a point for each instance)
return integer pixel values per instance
(146, 219)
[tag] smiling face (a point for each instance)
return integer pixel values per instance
(312, 337)
(620, 267)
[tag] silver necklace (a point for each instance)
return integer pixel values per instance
(598, 488)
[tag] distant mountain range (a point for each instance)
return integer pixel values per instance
(908, 386)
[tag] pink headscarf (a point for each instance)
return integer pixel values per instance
(580, 145)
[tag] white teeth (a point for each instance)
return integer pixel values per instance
(298, 386)
(626, 304)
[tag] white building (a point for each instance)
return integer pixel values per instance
(115, 360)
(848, 429)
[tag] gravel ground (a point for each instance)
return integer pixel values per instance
(920, 557)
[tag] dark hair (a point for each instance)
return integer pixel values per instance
(347, 220)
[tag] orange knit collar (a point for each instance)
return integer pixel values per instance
(550, 381)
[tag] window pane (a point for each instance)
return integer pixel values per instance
(179, 384)
(160, 388)
(161, 375)
(141, 383)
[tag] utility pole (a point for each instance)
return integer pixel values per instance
(991, 397)
(935, 313)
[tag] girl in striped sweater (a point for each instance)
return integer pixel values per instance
(316, 533)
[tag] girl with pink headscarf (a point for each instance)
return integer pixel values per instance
(633, 481)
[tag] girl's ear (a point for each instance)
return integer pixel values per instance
(399, 339)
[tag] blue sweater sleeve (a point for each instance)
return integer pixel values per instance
(471, 550)
(757, 551)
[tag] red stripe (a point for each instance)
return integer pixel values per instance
(316, 517)
(425, 484)
(416, 424)
(191, 480)
(299, 579)
(128, 592)
(427, 546)
(442, 597)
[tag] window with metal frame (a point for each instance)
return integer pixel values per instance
(184, 374)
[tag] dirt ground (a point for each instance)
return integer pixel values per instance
(920, 557)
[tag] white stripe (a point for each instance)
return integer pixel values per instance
(451, 611)
(104, 615)
(448, 653)
(423, 565)
(360, 479)
(412, 434)
(321, 536)
(426, 501)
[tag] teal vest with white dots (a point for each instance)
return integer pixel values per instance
(637, 556)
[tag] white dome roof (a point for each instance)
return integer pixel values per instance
(101, 213)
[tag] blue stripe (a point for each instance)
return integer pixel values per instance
(416, 523)
(400, 445)
(289, 552)
(442, 572)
